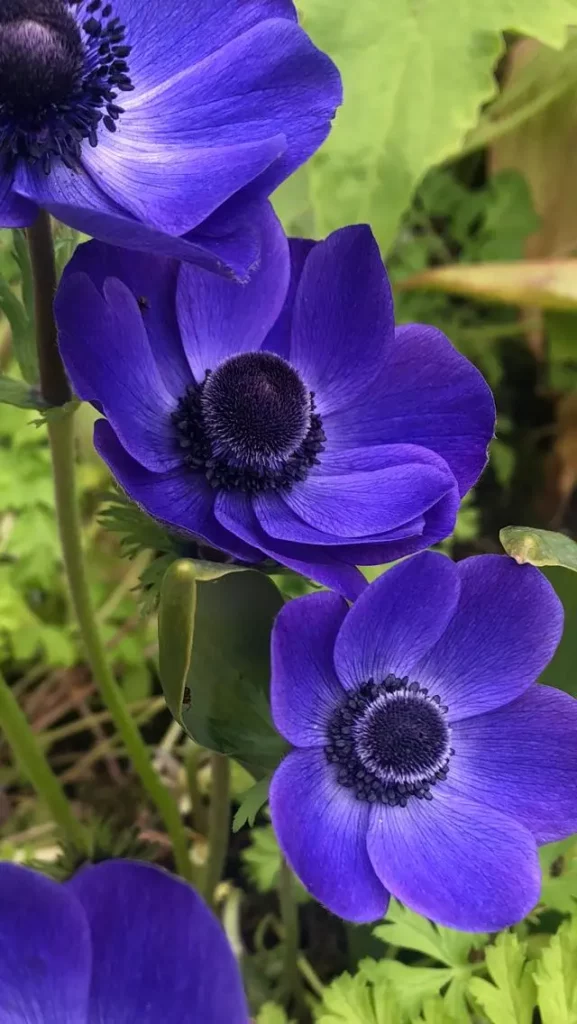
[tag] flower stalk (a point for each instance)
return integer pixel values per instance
(290, 922)
(218, 823)
(31, 759)
(55, 389)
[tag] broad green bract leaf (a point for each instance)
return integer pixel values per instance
(226, 704)
(176, 615)
(416, 73)
(539, 547)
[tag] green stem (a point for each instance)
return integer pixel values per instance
(56, 391)
(290, 922)
(218, 823)
(28, 753)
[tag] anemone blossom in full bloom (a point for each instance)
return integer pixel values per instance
(121, 942)
(158, 124)
(428, 763)
(286, 419)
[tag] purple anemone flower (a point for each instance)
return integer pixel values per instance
(121, 942)
(295, 425)
(429, 764)
(158, 124)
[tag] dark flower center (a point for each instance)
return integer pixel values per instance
(250, 425)
(390, 741)
(62, 65)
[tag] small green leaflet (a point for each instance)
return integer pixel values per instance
(250, 804)
(539, 547)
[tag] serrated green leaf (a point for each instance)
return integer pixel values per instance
(509, 998)
(402, 927)
(250, 804)
(539, 547)
(415, 77)
(411, 985)
(353, 1000)
(16, 392)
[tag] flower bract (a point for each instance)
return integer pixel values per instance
(122, 941)
(428, 763)
(158, 124)
(286, 419)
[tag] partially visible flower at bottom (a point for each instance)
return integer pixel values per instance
(429, 763)
(122, 941)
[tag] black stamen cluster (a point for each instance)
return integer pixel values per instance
(199, 441)
(62, 65)
(389, 742)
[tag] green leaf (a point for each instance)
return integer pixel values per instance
(23, 341)
(16, 392)
(415, 77)
(435, 1012)
(411, 985)
(250, 804)
(404, 928)
(353, 1000)
(227, 702)
(510, 997)
(539, 547)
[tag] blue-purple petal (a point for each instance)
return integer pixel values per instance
(322, 831)
(236, 513)
(397, 620)
(108, 357)
(342, 318)
(504, 632)
(181, 499)
(458, 862)
(422, 392)
(304, 685)
(158, 952)
(219, 318)
(45, 952)
(522, 759)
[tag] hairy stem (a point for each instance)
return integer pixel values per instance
(56, 391)
(34, 765)
(290, 922)
(218, 823)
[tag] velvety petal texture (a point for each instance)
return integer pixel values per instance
(102, 949)
(446, 780)
(199, 113)
(223, 402)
